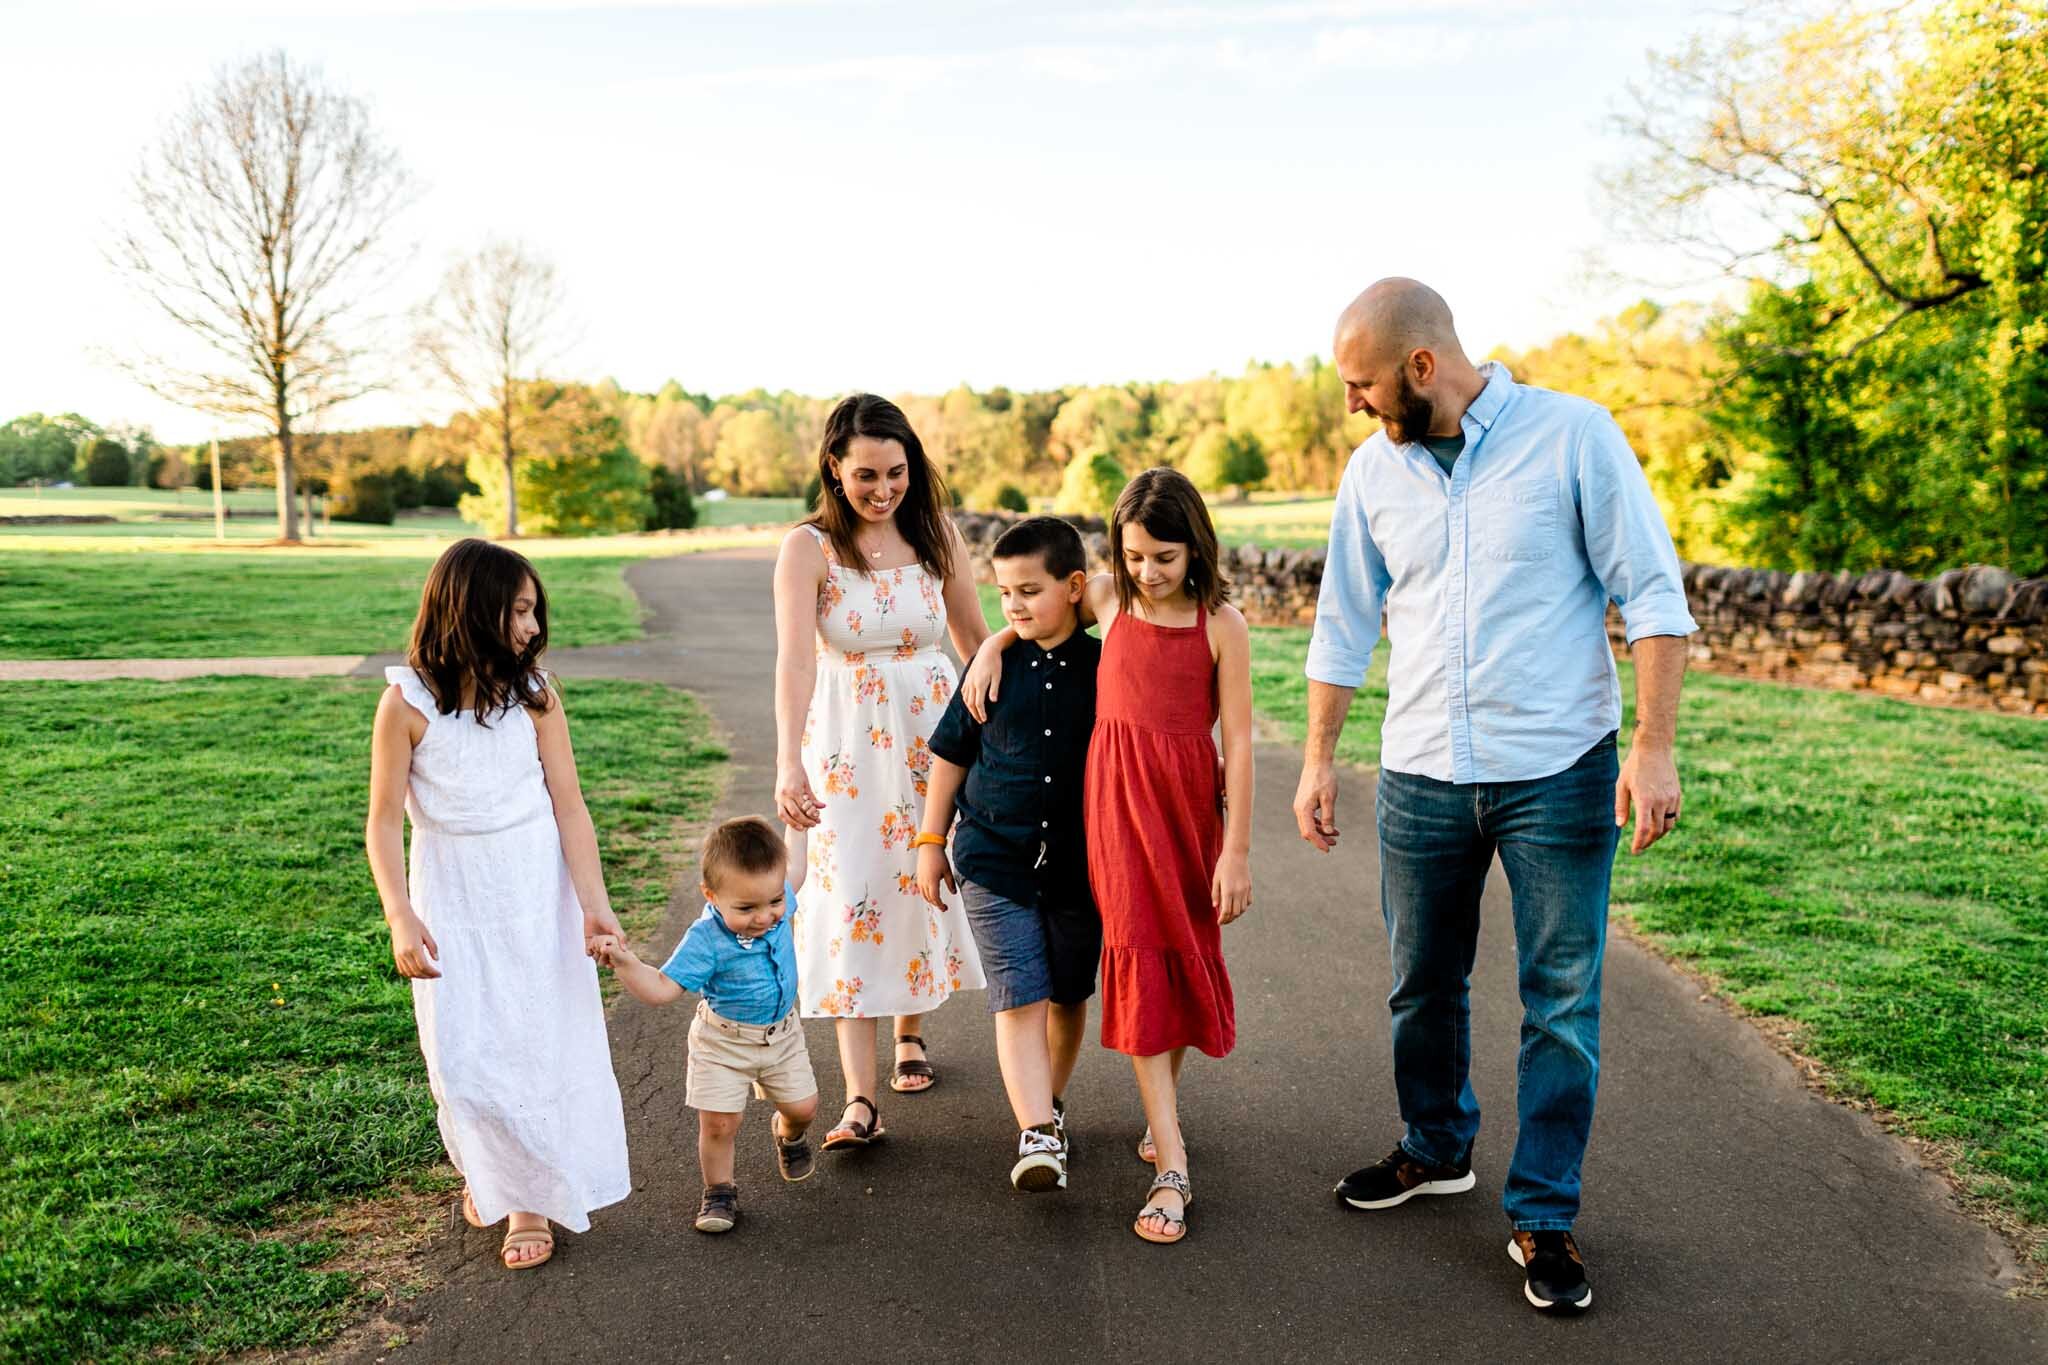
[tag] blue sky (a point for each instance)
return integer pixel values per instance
(899, 197)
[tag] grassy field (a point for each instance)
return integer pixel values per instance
(203, 1045)
(1289, 521)
(1875, 873)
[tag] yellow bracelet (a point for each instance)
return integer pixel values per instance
(921, 840)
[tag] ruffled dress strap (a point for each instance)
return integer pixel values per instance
(414, 689)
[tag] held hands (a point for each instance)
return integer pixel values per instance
(613, 953)
(1649, 780)
(413, 949)
(597, 925)
(1315, 806)
(1230, 890)
(983, 681)
(934, 871)
(795, 802)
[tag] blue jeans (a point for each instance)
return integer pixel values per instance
(1556, 838)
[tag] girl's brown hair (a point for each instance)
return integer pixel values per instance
(1163, 502)
(921, 517)
(463, 632)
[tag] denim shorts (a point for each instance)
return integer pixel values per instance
(1031, 954)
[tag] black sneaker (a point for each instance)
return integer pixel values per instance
(1059, 1127)
(720, 1209)
(1398, 1178)
(1041, 1164)
(1556, 1281)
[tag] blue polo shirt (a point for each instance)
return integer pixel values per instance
(748, 980)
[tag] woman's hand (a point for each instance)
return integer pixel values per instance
(983, 681)
(413, 948)
(934, 870)
(794, 801)
(1230, 890)
(599, 924)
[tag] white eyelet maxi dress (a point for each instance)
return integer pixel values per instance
(513, 1029)
(867, 944)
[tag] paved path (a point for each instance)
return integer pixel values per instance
(1730, 1215)
(173, 670)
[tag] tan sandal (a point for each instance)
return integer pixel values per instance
(469, 1213)
(1178, 1183)
(1148, 1151)
(526, 1237)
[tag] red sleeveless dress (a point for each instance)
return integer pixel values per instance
(1155, 828)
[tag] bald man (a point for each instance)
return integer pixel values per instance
(1492, 522)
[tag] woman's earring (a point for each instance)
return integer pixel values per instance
(838, 490)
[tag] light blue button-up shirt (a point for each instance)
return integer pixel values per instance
(1495, 581)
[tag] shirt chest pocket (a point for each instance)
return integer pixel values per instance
(1515, 520)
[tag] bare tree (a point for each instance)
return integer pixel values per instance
(487, 331)
(259, 222)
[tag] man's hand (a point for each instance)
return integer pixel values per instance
(933, 870)
(1315, 805)
(1649, 780)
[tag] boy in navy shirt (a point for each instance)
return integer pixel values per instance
(740, 957)
(1019, 849)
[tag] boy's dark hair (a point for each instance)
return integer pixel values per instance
(463, 631)
(748, 844)
(1053, 539)
(1163, 502)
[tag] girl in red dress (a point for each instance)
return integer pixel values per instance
(1169, 854)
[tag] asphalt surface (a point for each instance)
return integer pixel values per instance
(1729, 1213)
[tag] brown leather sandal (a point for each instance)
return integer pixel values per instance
(854, 1133)
(915, 1068)
(525, 1237)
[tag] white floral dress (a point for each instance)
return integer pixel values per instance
(867, 944)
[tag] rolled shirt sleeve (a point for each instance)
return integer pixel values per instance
(1354, 590)
(1627, 542)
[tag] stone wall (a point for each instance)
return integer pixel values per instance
(1971, 637)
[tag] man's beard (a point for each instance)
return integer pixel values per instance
(1411, 417)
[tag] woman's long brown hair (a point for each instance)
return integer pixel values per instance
(1163, 502)
(463, 634)
(922, 515)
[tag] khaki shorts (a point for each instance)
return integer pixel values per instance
(727, 1060)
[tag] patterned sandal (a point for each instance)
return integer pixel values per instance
(854, 1133)
(541, 1237)
(914, 1069)
(1148, 1151)
(1178, 1222)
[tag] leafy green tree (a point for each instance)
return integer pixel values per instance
(43, 448)
(1010, 498)
(754, 456)
(669, 505)
(1091, 485)
(104, 463)
(576, 476)
(1107, 419)
(1221, 459)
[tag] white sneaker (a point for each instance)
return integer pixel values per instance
(1041, 1164)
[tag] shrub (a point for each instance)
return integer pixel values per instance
(405, 487)
(1010, 498)
(443, 485)
(813, 486)
(670, 506)
(1221, 459)
(1091, 485)
(364, 496)
(106, 464)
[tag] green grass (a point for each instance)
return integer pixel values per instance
(1874, 872)
(202, 1040)
(749, 511)
(1275, 521)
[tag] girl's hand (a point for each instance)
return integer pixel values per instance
(597, 925)
(798, 806)
(1230, 891)
(983, 681)
(413, 948)
(934, 870)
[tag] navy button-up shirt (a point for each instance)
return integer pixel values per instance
(1020, 833)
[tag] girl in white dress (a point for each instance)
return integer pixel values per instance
(504, 900)
(865, 592)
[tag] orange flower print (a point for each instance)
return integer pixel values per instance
(856, 656)
(898, 824)
(920, 760)
(885, 594)
(839, 776)
(865, 917)
(928, 589)
(906, 885)
(829, 596)
(853, 622)
(843, 1000)
(908, 649)
(939, 684)
(879, 738)
(868, 686)
(953, 965)
(822, 863)
(917, 705)
(918, 975)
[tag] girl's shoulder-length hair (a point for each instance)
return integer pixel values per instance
(1169, 507)
(922, 515)
(462, 637)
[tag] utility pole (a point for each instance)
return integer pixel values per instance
(220, 507)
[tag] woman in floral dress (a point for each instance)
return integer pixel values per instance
(866, 590)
